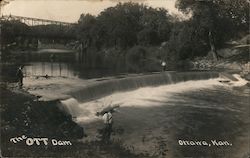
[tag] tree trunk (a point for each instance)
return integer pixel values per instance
(212, 46)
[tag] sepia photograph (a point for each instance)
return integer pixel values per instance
(125, 78)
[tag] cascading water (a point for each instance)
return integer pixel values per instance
(131, 83)
(71, 106)
(74, 106)
(78, 112)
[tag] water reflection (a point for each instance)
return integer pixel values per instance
(54, 69)
(65, 69)
(61, 63)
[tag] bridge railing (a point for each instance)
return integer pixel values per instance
(34, 21)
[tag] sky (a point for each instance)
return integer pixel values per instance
(70, 10)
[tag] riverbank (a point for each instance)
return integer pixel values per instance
(22, 114)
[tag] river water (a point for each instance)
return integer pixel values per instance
(153, 120)
(54, 63)
(65, 69)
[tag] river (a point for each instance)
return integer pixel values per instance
(156, 120)
(53, 63)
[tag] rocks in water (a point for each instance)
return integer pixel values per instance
(246, 71)
(228, 76)
(228, 52)
(224, 81)
(203, 64)
(247, 77)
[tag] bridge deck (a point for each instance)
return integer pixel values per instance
(33, 21)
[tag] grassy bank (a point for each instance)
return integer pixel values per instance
(21, 115)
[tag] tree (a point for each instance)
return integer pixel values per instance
(121, 24)
(126, 25)
(11, 30)
(156, 25)
(85, 29)
(214, 16)
(122, 27)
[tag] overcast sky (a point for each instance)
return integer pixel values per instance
(70, 10)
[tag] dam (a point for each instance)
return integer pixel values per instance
(159, 110)
(123, 83)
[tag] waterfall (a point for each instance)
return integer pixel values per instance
(108, 87)
(71, 106)
(81, 109)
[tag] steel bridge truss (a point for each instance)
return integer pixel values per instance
(34, 21)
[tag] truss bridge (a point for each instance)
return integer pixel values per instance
(34, 21)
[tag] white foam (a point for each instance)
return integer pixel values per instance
(71, 106)
(143, 97)
(240, 82)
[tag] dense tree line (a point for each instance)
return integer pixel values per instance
(115, 32)
(137, 37)
(215, 21)
(124, 26)
(131, 28)
(10, 30)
